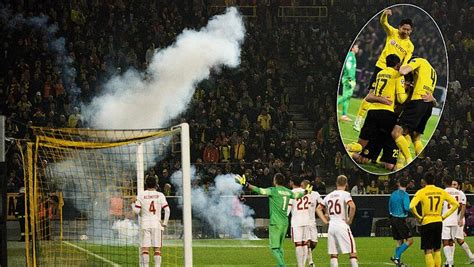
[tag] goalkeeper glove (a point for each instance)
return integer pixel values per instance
(241, 180)
(309, 189)
(352, 83)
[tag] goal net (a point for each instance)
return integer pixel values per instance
(79, 184)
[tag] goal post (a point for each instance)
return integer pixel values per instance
(79, 184)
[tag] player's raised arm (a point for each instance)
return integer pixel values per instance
(414, 202)
(384, 21)
(452, 201)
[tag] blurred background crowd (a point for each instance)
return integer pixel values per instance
(275, 113)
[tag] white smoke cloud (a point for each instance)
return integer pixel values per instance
(152, 98)
(218, 205)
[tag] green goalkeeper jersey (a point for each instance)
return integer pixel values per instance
(350, 65)
(279, 197)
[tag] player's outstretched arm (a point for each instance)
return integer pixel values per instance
(371, 98)
(454, 205)
(405, 69)
(242, 180)
(321, 215)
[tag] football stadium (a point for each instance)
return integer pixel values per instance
(212, 133)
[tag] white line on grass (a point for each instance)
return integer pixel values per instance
(92, 254)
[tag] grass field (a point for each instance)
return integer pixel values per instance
(372, 251)
(348, 134)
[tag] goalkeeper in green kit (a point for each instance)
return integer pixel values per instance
(279, 197)
(348, 81)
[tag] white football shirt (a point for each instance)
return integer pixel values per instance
(150, 203)
(336, 206)
(315, 199)
(453, 219)
(299, 209)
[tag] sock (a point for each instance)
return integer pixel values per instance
(453, 248)
(396, 253)
(466, 249)
(354, 262)
(402, 144)
(333, 262)
(157, 258)
(145, 259)
(310, 255)
(418, 147)
(277, 253)
(429, 260)
(437, 258)
(448, 254)
(400, 250)
(408, 138)
(300, 255)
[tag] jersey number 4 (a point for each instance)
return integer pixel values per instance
(334, 207)
(152, 208)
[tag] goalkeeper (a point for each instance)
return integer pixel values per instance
(348, 81)
(279, 197)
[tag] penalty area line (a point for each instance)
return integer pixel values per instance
(92, 254)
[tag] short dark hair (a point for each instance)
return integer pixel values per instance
(429, 178)
(448, 180)
(296, 180)
(406, 21)
(279, 178)
(403, 182)
(150, 182)
(392, 60)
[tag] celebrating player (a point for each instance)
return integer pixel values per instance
(381, 118)
(279, 197)
(148, 206)
(454, 224)
(340, 239)
(397, 42)
(414, 117)
(431, 199)
(399, 207)
(348, 81)
(300, 221)
(314, 200)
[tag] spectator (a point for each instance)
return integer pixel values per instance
(372, 188)
(359, 188)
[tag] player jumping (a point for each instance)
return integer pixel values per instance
(340, 238)
(348, 81)
(148, 206)
(397, 42)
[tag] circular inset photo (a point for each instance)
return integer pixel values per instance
(392, 89)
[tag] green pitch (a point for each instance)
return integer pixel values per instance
(372, 251)
(349, 135)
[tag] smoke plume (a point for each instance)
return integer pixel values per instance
(219, 206)
(152, 98)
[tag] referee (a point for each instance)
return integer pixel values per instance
(399, 207)
(432, 199)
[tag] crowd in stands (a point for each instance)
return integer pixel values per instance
(240, 119)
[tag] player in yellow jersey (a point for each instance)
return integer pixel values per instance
(375, 135)
(397, 42)
(413, 119)
(431, 218)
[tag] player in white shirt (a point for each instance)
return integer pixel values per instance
(453, 226)
(314, 200)
(340, 238)
(148, 206)
(300, 221)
